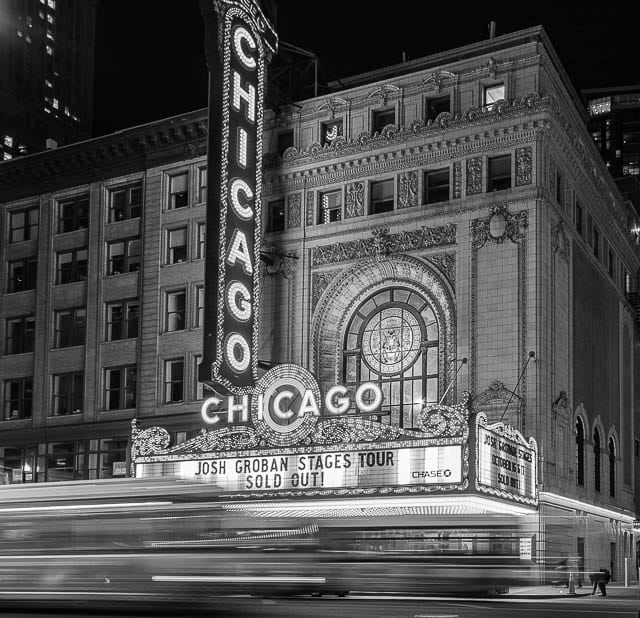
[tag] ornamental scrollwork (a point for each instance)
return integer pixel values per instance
(499, 226)
(440, 421)
(310, 209)
(354, 202)
(319, 283)
(148, 441)
(408, 189)
(294, 210)
(523, 166)
(474, 175)
(446, 263)
(457, 180)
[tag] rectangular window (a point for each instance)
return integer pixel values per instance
(330, 131)
(123, 256)
(201, 240)
(499, 173)
(71, 266)
(435, 106)
(120, 388)
(73, 214)
(436, 186)
(596, 241)
(22, 275)
(177, 245)
(199, 317)
(68, 393)
(559, 188)
(178, 191)
(330, 207)
(284, 140)
(382, 196)
(275, 215)
(202, 185)
(198, 387)
(173, 381)
(20, 335)
(18, 396)
(175, 311)
(493, 94)
(70, 328)
(125, 202)
(23, 224)
(122, 320)
(578, 218)
(381, 118)
(611, 264)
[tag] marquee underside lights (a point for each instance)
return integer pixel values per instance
(245, 44)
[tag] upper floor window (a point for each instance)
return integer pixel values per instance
(578, 218)
(122, 320)
(125, 202)
(275, 215)
(120, 387)
(596, 459)
(611, 264)
(68, 393)
(612, 468)
(599, 106)
(71, 266)
(382, 196)
(201, 240)
(70, 327)
(579, 451)
(381, 118)
(284, 140)
(492, 94)
(330, 206)
(435, 106)
(22, 275)
(559, 188)
(20, 335)
(330, 131)
(18, 398)
(436, 186)
(23, 224)
(73, 214)
(199, 317)
(596, 241)
(177, 245)
(173, 381)
(202, 185)
(198, 387)
(178, 190)
(175, 311)
(123, 256)
(499, 173)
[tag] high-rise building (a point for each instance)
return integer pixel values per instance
(446, 208)
(46, 74)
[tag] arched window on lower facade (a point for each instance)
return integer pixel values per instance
(612, 468)
(596, 459)
(393, 340)
(579, 451)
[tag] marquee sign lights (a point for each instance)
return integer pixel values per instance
(246, 42)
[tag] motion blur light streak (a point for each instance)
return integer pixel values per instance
(67, 507)
(239, 579)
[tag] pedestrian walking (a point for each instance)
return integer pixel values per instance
(600, 580)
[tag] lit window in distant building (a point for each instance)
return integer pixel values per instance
(177, 245)
(330, 131)
(599, 106)
(173, 381)
(123, 256)
(20, 335)
(382, 196)
(122, 320)
(18, 397)
(175, 311)
(120, 385)
(8, 141)
(56, 103)
(50, 18)
(499, 173)
(73, 214)
(68, 393)
(70, 327)
(7, 156)
(178, 191)
(275, 215)
(436, 186)
(49, 50)
(71, 266)
(493, 94)
(23, 224)
(381, 118)
(22, 275)
(125, 202)
(51, 4)
(436, 106)
(48, 84)
(330, 206)
(50, 35)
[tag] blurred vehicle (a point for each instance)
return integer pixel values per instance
(140, 540)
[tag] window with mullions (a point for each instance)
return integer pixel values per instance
(178, 191)
(199, 314)
(177, 245)
(68, 393)
(330, 207)
(22, 275)
(382, 196)
(201, 240)
(175, 311)
(23, 224)
(120, 388)
(122, 320)
(173, 381)
(18, 394)
(73, 214)
(71, 266)
(20, 335)
(123, 256)
(202, 185)
(499, 174)
(125, 202)
(393, 340)
(436, 186)
(70, 327)
(103, 454)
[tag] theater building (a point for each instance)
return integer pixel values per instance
(441, 242)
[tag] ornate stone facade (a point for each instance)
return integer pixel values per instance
(408, 189)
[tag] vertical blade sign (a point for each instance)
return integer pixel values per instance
(245, 43)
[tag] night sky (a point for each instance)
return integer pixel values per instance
(150, 55)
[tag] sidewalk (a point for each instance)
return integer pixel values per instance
(614, 590)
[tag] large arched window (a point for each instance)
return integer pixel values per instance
(392, 340)
(612, 468)
(596, 459)
(580, 451)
